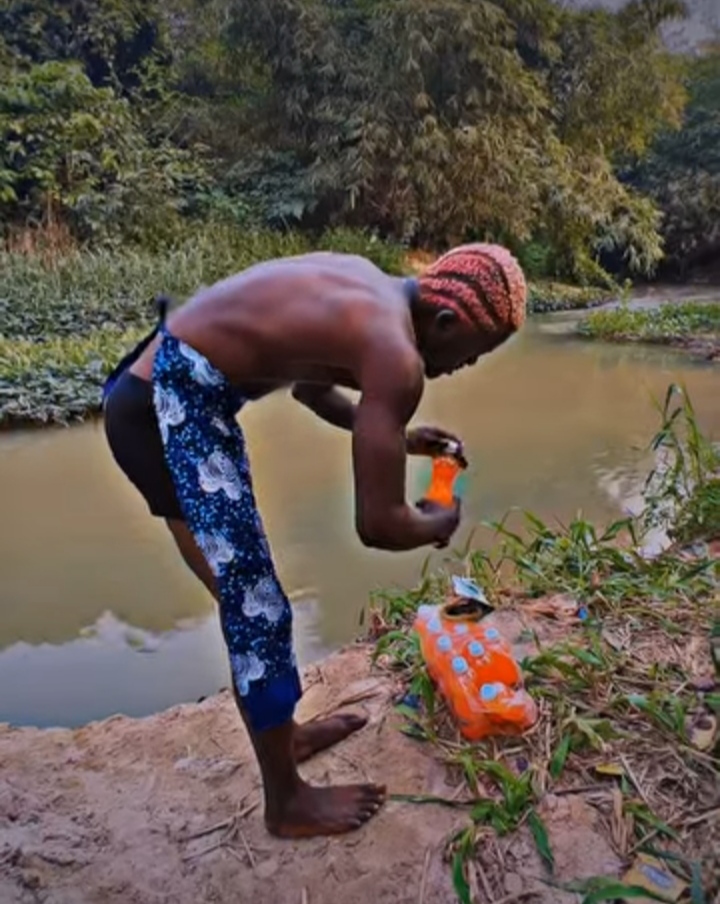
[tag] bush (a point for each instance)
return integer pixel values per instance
(66, 321)
(682, 172)
(73, 152)
(667, 324)
(546, 297)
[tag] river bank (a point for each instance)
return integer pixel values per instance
(689, 324)
(616, 648)
(168, 808)
(66, 320)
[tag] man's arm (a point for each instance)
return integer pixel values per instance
(327, 402)
(392, 384)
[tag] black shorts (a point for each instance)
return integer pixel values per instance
(134, 437)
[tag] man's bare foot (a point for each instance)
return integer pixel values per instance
(313, 811)
(312, 737)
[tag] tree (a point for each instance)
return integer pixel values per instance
(682, 172)
(439, 120)
(110, 39)
(74, 152)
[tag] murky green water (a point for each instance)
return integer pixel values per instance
(97, 612)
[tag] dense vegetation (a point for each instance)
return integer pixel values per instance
(682, 172)
(67, 319)
(428, 121)
(148, 146)
(693, 323)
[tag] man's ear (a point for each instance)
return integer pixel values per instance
(445, 319)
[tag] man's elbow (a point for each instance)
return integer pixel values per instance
(375, 534)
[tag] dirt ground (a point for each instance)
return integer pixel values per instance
(167, 809)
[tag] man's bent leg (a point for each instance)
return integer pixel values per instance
(293, 808)
(204, 450)
(308, 739)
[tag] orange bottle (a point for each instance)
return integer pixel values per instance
(475, 671)
(445, 468)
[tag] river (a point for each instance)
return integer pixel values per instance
(99, 616)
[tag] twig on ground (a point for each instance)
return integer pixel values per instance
(204, 851)
(218, 826)
(423, 879)
(248, 850)
(701, 817)
(472, 878)
(484, 880)
(347, 701)
(248, 810)
(634, 779)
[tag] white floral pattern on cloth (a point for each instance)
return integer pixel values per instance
(246, 668)
(220, 425)
(169, 410)
(208, 463)
(203, 371)
(262, 536)
(218, 473)
(265, 598)
(217, 549)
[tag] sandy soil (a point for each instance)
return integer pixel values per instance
(167, 809)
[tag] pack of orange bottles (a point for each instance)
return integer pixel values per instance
(474, 670)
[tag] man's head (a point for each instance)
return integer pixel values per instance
(471, 300)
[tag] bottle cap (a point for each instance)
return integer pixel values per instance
(460, 666)
(489, 692)
(434, 625)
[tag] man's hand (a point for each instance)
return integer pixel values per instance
(448, 519)
(431, 441)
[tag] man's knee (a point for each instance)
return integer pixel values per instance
(192, 554)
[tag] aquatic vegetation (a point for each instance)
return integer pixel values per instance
(623, 692)
(66, 319)
(545, 297)
(666, 325)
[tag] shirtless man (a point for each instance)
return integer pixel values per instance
(313, 323)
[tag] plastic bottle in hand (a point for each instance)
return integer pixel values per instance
(445, 469)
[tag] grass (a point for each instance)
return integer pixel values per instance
(545, 296)
(66, 319)
(683, 490)
(67, 316)
(619, 693)
(669, 324)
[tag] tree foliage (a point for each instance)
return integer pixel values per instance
(439, 120)
(682, 172)
(433, 121)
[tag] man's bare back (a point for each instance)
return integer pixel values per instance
(305, 319)
(315, 323)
